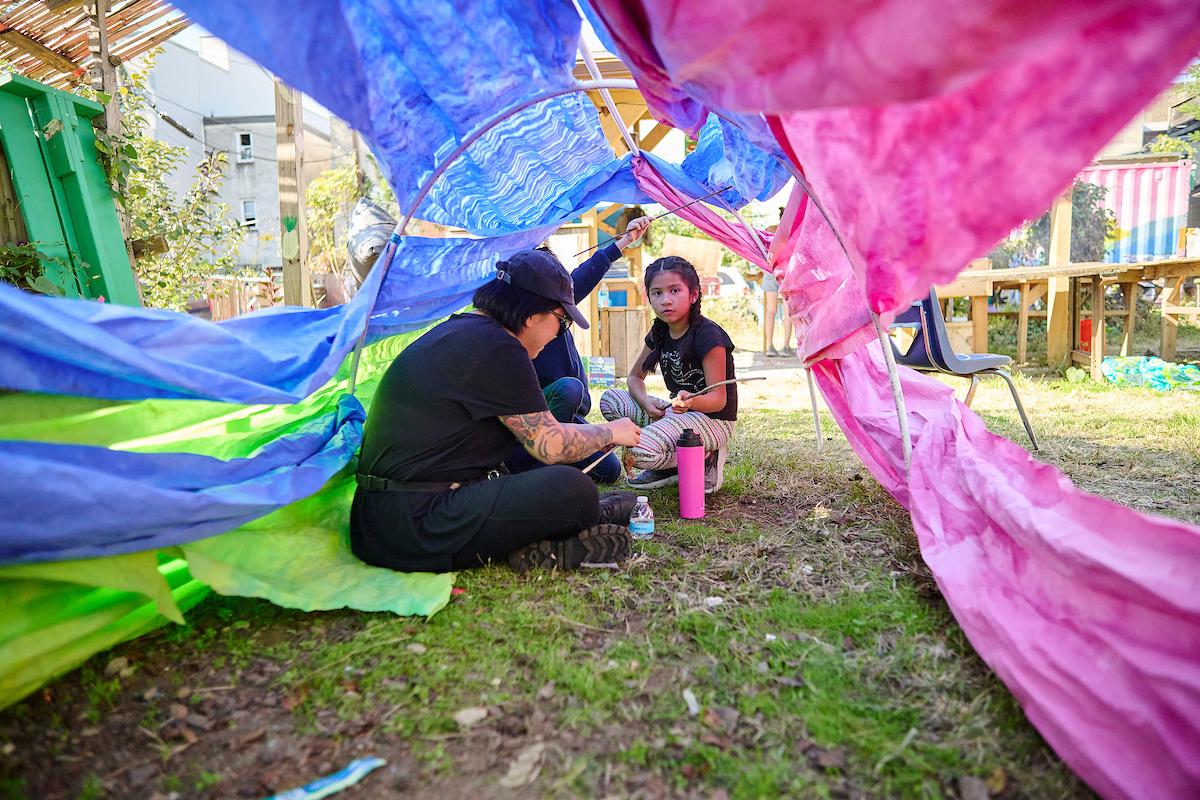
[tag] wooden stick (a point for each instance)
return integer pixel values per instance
(601, 457)
(706, 389)
(660, 216)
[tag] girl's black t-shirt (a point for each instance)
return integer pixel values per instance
(682, 363)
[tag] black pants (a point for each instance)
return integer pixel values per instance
(512, 511)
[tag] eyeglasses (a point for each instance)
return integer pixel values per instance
(564, 323)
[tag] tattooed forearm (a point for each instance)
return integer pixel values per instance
(552, 442)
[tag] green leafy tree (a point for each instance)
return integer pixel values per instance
(201, 234)
(328, 200)
(1092, 226)
(1188, 145)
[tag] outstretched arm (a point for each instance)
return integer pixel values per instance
(554, 442)
(588, 274)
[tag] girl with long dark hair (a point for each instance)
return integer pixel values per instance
(693, 352)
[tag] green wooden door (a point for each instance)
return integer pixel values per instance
(61, 191)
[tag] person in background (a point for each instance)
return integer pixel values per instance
(772, 310)
(560, 370)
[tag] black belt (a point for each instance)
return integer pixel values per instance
(374, 483)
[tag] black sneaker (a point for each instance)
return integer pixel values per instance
(599, 544)
(714, 470)
(654, 478)
(615, 507)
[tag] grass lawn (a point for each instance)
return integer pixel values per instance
(791, 644)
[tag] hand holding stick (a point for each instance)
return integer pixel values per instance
(681, 405)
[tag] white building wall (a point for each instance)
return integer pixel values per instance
(215, 92)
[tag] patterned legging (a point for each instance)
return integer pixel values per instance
(657, 447)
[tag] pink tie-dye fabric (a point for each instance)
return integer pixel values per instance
(737, 239)
(778, 55)
(1089, 611)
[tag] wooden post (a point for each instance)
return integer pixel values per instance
(1059, 337)
(979, 323)
(102, 71)
(103, 74)
(293, 234)
(1170, 326)
(360, 183)
(592, 220)
(1098, 337)
(1130, 292)
(1023, 322)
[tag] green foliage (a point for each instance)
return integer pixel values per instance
(672, 223)
(25, 266)
(92, 788)
(330, 197)
(1092, 225)
(207, 780)
(1172, 144)
(202, 234)
(1188, 145)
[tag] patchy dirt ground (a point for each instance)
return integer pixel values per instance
(791, 644)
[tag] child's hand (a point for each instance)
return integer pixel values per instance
(682, 402)
(656, 409)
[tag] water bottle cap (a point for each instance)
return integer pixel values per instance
(643, 499)
(689, 438)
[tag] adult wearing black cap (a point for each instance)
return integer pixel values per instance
(560, 370)
(430, 497)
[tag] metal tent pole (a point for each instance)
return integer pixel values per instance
(428, 183)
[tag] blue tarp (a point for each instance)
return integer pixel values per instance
(725, 156)
(415, 79)
(81, 501)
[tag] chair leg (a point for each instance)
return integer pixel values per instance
(971, 391)
(1012, 387)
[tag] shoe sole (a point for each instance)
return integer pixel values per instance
(599, 544)
(722, 458)
(668, 481)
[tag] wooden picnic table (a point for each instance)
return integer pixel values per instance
(1061, 284)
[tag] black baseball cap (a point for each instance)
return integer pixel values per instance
(539, 272)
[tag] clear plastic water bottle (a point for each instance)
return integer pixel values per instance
(602, 298)
(641, 521)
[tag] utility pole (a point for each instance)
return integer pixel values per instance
(360, 183)
(102, 70)
(293, 235)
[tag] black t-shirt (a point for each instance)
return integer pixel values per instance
(682, 362)
(434, 418)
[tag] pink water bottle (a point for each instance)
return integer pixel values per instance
(689, 452)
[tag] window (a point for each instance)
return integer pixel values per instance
(249, 215)
(245, 148)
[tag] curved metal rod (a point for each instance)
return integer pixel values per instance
(594, 71)
(812, 398)
(897, 393)
(888, 355)
(427, 184)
